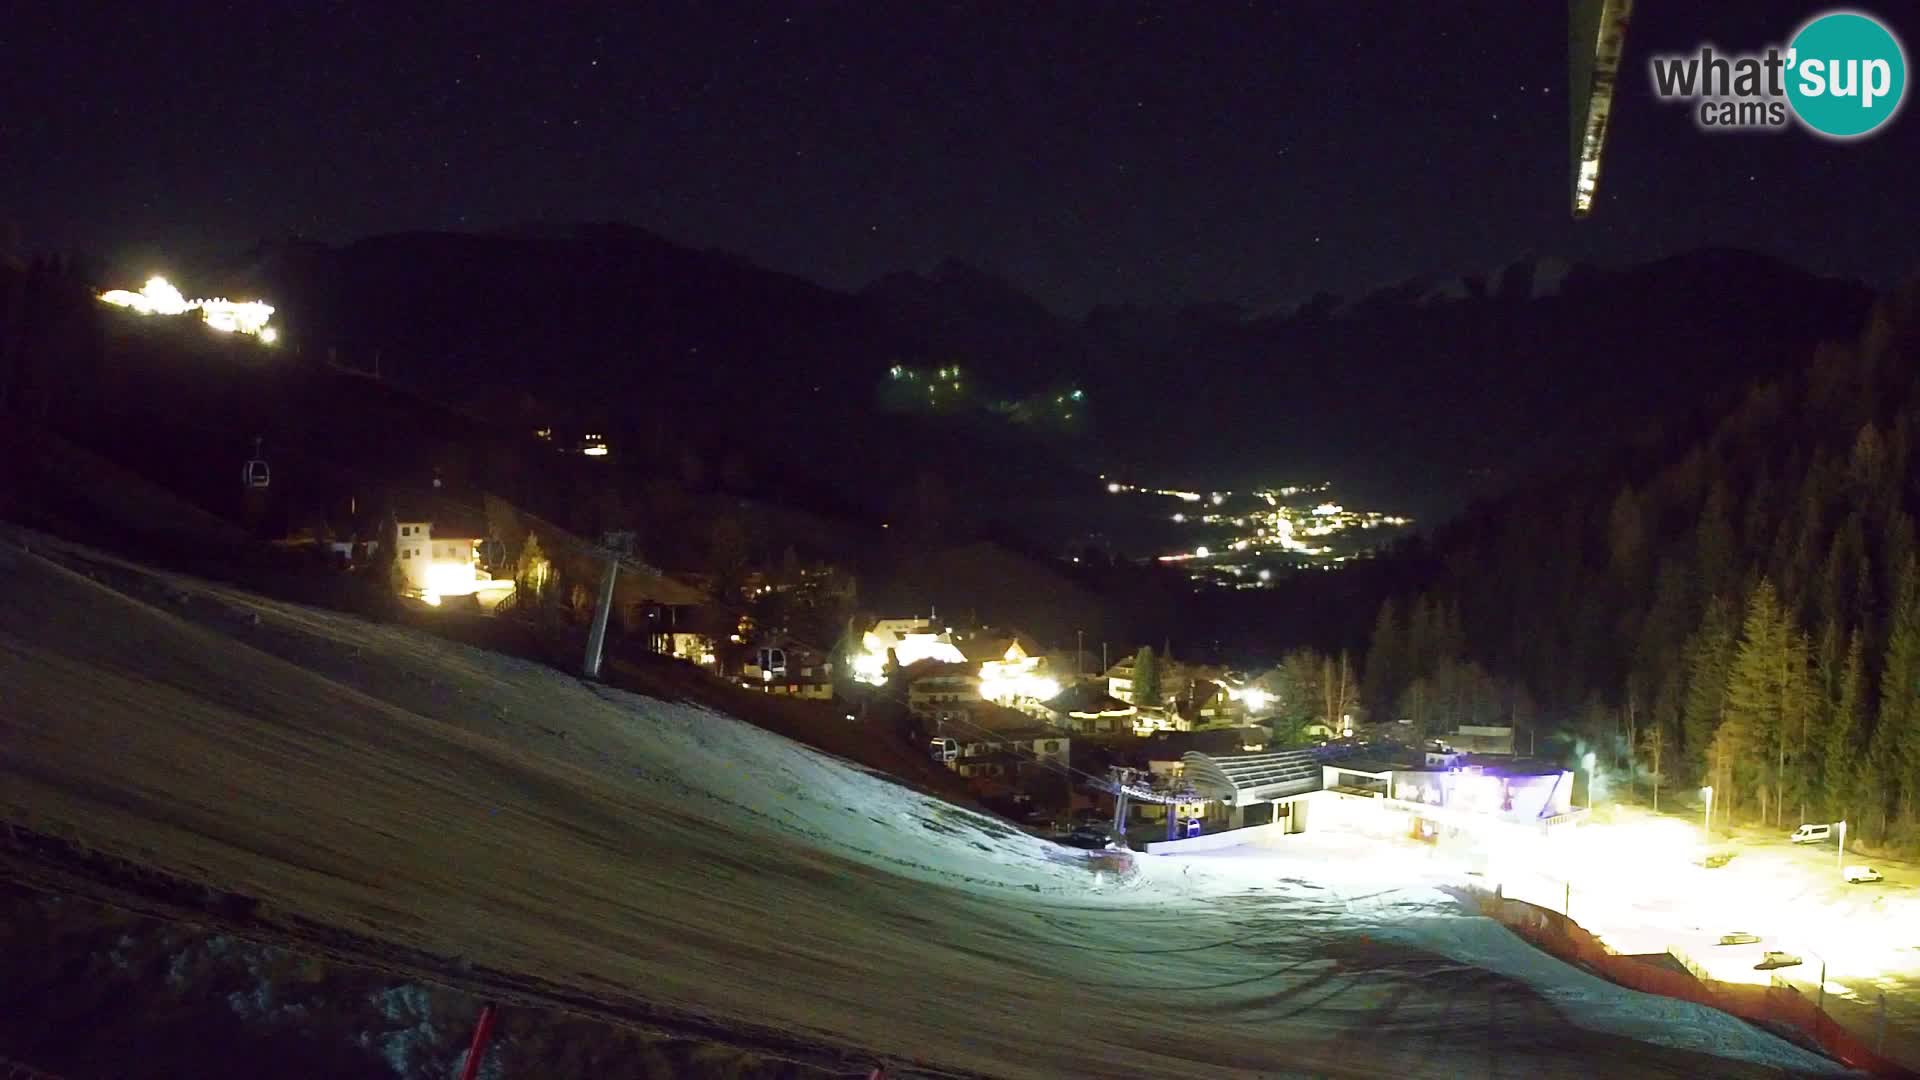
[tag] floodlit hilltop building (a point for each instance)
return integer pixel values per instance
(159, 297)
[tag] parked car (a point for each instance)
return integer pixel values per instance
(1857, 874)
(1090, 837)
(1739, 937)
(1776, 959)
(1811, 834)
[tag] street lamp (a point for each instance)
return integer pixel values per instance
(1588, 762)
(1707, 824)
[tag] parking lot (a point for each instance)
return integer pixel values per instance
(1637, 880)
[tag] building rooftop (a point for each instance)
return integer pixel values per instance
(991, 644)
(937, 669)
(1502, 765)
(1170, 745)
(1373, 765)
(1023, 733)
(1087, 697)
(1496, 764)
(449, 518)
(1240, 779)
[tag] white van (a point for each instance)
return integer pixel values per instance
(1811, 834)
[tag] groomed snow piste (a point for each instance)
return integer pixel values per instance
(650, 856)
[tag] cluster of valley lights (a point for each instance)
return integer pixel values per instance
(159, 297)
(1275, 526)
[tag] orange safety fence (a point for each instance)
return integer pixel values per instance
(1777, 1006)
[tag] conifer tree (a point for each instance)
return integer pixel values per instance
(1843, 772)
(1761, 687)
(1898, 731)
(1146, 678)
(1386, 659)
(1709, 656)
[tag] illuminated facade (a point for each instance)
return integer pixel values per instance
(446, 566)
(1010, 674)
(892, 644)
(944, 691)
(694, 648)
(435, 567)
(1147, 721)
(1174, 677)
(1489, 804)
(1087, 708)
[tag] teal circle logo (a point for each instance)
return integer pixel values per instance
(1846, 74)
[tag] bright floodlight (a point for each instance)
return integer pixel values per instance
(1588, 762)
(159, 297)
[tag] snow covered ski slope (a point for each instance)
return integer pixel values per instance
(404, 800)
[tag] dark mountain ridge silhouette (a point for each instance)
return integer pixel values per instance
(1421, 392)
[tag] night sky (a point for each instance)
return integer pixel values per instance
(1089, 152)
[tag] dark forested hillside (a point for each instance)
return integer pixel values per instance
(1408, 397)
(1741, 609)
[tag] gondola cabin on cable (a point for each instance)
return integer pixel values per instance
(255, 474)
